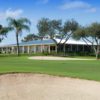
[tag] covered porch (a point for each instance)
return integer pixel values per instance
(29, 49)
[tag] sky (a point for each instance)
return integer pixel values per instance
(83, 11)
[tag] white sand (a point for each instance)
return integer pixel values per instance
(45, 87)
(55, 58)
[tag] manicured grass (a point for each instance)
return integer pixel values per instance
(78, 69)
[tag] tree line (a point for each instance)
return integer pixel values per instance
(55, 29)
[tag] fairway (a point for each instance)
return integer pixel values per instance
(78, 69)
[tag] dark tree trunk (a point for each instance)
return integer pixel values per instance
(97, 55)
(17, 40)
(97, 51)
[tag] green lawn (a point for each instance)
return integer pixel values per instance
(78, 69)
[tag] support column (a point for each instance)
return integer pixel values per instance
(12, 51)
(1, 50)
(23, 49)
(56, 49)
(28, 49)
(34, 48)
(41, 48)
(49, 49)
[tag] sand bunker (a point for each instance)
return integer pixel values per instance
(55, 58)
(45, 87)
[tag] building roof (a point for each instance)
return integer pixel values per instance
(46, 42)
(74, 42)
(34, 42)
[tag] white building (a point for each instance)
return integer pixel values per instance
(47, 45)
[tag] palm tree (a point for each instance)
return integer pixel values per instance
(18, 26)
(3, 32)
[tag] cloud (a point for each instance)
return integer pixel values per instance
(78, 5)
(75, 5)
(11, 13)
(92, 10)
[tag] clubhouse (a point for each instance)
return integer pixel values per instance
(46, 45)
